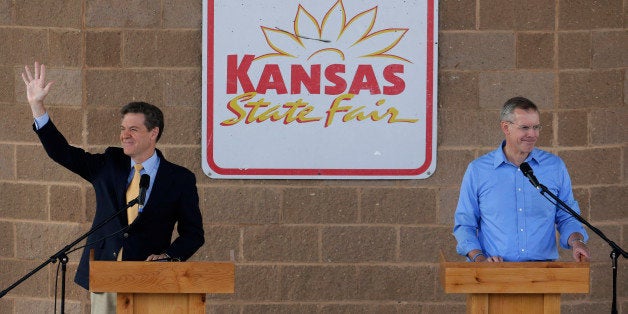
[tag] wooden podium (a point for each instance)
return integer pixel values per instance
(525, 287)
(161, 287)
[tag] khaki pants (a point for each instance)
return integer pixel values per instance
(103, 302)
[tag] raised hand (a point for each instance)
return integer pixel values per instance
(36, 88)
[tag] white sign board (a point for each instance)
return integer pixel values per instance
(317, 89)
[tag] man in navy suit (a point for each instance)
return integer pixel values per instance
(171, 197)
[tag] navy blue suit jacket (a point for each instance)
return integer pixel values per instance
(173, 199)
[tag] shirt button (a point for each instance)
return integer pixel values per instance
(519, 189)
(523, 250)
(520, 229)
(520, 209)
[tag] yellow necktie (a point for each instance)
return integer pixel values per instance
(133, 192)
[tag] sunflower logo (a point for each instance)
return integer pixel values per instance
(333, 37)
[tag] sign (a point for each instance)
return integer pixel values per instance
(317, 89)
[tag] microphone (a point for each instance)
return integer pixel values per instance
(144, 183)
(527, 171)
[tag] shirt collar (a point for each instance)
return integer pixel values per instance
(500, 157)
(148, 163)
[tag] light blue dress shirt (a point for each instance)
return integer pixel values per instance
(500, 212)
(150, 167)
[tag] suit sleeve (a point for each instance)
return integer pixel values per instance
(189, 221)
(73, 158)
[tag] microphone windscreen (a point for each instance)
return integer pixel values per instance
(144, 181)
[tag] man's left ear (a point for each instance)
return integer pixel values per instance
(154, 132)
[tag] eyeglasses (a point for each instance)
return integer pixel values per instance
(526, 128)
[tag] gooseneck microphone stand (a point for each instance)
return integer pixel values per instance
(616, 250)
(62, 257)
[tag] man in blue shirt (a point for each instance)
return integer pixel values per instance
(501, 216)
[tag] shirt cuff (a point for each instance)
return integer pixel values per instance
(41, 121)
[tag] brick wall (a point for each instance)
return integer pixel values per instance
(311, 246)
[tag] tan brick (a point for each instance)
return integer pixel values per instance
(182, 125)
(573, 128)
(104, 126)
(187, 157)
(608, 203)
(451, 166)
(123, 13)
(497, 87)
(574, 50)
(583, 197)
(578, 14)
(255, 283)
(34, 164)
(162, 48)
(7, 162)
(65, 48)
(119, 87)
(17, 46)
(182, 14)
(7, 241)
(320, 205)
(535, 50)
(447, 203)
(476, 51)
(220, 241)
(279, 308)
(23, 201)
(589, 307)
(516, 14)
(361, 308)
(310, 283)
(280, 243)
(474, 128)
(66, 89)
(46, 306)
(103, 48)
(36, 286)
(609, 49)
(19, 123)
(6, 12)
(66, 204)
(182, 88)
(7, 89)
(593, 166)
(68, 120)
(590, 89)
(240, 205)
(403, 283)
(73, 292)
(601, 282)
(359, 244)
(609, 126)
(6, 304)
(398, 206)
(625, 87)
(42, 240)
(423, 244)
(456, 15)
(546, 138)
(462, 90)
(62, 14)
(223, 308)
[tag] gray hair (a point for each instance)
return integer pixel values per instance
(516, 103)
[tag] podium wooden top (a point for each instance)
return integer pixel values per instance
(161, 277)
(514, 277)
